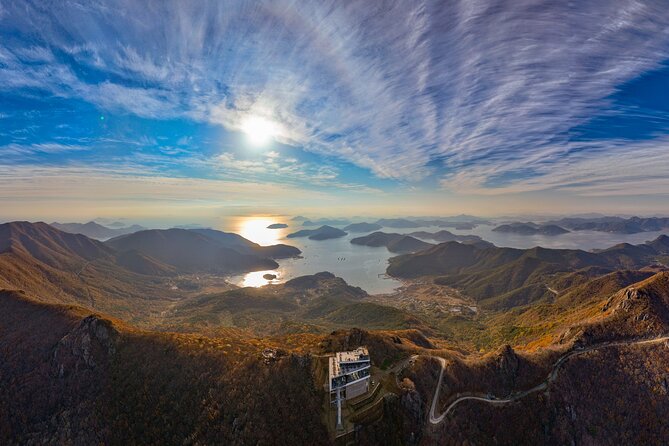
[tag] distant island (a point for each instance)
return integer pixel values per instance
(325, 232)
(617, 225)
(362, 227)
(445, 236)
(277, 226)
(325, 221)
(530, 229)
(458, 222)
(399, 223)
(396, 243)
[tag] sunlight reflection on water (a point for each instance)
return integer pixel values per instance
(365, 266)
(256, 279)
(255, 229)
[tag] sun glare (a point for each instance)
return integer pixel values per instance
(255, 229)
(259, 130)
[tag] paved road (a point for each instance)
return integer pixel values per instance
(556, 292)
(551, 377)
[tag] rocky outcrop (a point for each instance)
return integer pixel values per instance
(88, 346)
(508, 361)
(411, 400)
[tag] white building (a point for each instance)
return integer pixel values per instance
(349, 376)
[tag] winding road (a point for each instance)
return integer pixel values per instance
(434, 419)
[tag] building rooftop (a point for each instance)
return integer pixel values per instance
(344, 363)
(359, 354)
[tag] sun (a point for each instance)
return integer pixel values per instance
(259, 130)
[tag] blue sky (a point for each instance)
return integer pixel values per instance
(492, 107)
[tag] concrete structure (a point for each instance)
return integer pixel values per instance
(349, 376)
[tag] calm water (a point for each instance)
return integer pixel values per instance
(365, 266)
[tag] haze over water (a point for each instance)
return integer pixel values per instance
(365, 266)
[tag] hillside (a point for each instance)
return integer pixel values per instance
(615, 365)
(71, 377)
(56, 267)
(191, 251)
(141, 263)
(315, 303)
(244, 246)
(49, 245)
(506, 277)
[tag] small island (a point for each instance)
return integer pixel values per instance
(277, 226)
(269, 276)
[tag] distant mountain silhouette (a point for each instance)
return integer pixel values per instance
(362, 227)
(95, 230)
(325, 221)
(323, 233)
(618, 225)
(530, 229)
(398, 223)
(49, 245)
(445, 236)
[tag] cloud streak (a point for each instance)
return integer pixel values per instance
(481, 97)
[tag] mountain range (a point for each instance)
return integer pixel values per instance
(96, 230)
(506, 277)
(93, 351)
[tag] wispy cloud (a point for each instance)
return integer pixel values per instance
(11, 150)
(482, 96)
(623, 169)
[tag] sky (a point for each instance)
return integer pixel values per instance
(192, 110)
